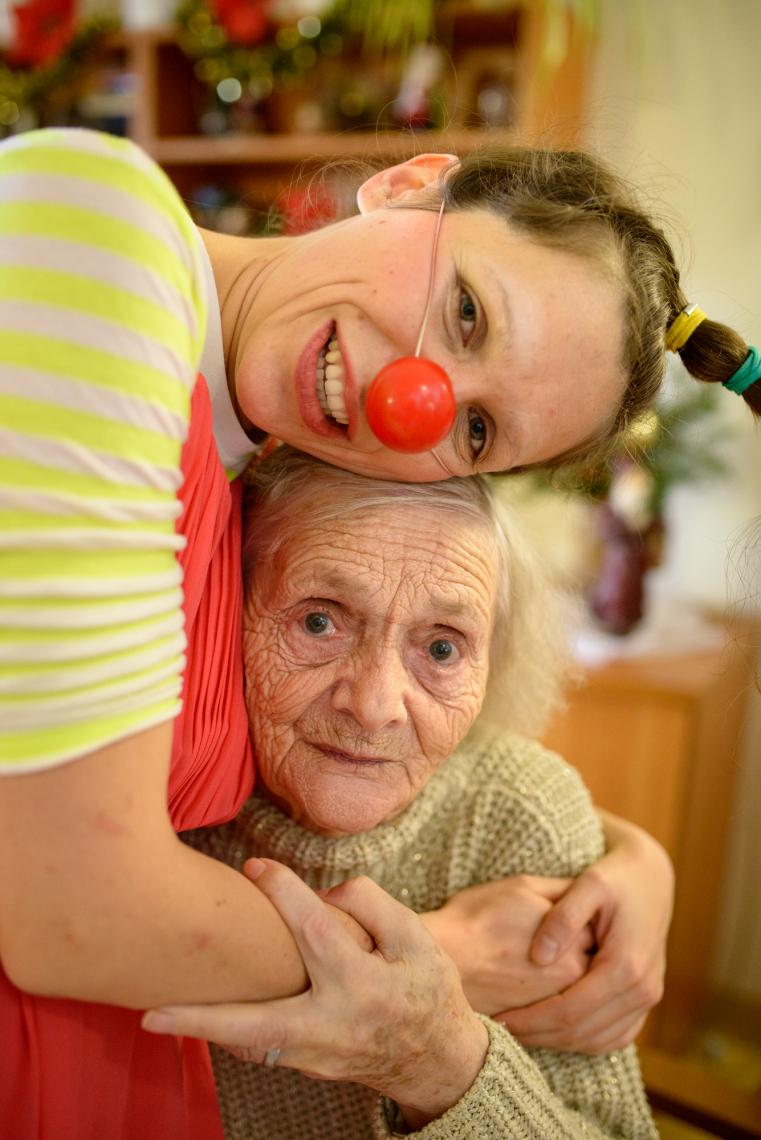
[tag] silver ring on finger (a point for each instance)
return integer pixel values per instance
(271, 1058)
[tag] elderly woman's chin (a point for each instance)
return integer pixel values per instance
(335, 793)
(337, 808)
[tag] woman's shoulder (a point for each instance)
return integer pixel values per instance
(518, 763)
(85, 188)
(535, 798)
(84, 153)
(102, 315)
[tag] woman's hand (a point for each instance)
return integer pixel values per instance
(488, 930)
(395, 1019)
(627, 897)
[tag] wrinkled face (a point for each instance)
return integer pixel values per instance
(531, 338)
(366, 653)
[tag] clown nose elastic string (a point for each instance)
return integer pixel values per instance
(410, 404)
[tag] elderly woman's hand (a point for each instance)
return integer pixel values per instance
(627, 897)
(395, 1019)
(488, 930)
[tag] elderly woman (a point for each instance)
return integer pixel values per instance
(367, 664)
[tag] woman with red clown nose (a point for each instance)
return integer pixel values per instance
(143, 365)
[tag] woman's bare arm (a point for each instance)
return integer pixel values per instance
(101, 901)
(397, 1021)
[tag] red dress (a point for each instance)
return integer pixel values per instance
(79, 1071)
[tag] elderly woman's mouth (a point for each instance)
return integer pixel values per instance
(359, 759)
(330, 376)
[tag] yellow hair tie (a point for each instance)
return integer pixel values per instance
(682, 327)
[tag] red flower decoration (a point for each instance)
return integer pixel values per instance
(243, 21)
(304, 209)
(43, 31)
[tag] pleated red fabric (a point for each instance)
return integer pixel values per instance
(212, 768)
(77, 1071)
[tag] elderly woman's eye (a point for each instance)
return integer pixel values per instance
(442, 650)
(317, 624)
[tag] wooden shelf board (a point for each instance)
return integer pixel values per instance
(222, 150)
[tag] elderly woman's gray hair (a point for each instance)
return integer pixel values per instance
(529, 654)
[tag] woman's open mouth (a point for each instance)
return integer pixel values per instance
(331, 383)
(324, 385)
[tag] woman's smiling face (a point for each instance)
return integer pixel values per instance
(530, 336)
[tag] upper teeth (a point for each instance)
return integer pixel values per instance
(330, 382)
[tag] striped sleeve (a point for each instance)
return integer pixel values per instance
(102, 312)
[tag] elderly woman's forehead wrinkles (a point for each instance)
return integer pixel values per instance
(466, 565)
(360, 555)
(309, 556)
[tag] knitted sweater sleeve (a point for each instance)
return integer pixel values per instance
(511, 1100)
(537, 1094)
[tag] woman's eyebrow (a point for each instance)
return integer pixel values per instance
(500, 327)
(324, 581)
(317, 582)
(502, 323)
(446, 605)
(465, 614)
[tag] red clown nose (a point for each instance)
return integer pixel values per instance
(410, 404)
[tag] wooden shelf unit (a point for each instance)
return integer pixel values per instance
(658, 741)
(169, 97)
(266, 149)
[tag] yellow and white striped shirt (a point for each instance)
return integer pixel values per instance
(102, 320)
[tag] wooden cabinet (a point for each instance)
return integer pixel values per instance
(658, 741)
(510, 40)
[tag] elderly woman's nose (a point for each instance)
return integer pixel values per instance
(374, 690)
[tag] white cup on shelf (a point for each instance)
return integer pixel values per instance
(137, 15)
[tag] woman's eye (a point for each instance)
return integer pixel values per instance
(477, 432)
(467, 314)
(442, 651)
(317, 624)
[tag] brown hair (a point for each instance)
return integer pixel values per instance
(571, 200)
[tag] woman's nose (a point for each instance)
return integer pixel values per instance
(374, 690)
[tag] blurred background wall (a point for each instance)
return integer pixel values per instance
(674, 102)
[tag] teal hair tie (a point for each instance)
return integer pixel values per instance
(748, 373)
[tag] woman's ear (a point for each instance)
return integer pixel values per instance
(396, 182)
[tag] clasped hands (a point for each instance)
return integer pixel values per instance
(569, 964)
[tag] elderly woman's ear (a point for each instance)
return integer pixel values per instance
(396, 183)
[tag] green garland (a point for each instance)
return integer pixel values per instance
(374, 26)
(27, 88)
(386, 26)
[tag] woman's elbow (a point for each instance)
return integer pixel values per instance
(46, 963)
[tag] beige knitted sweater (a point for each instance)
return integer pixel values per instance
(492, 810)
